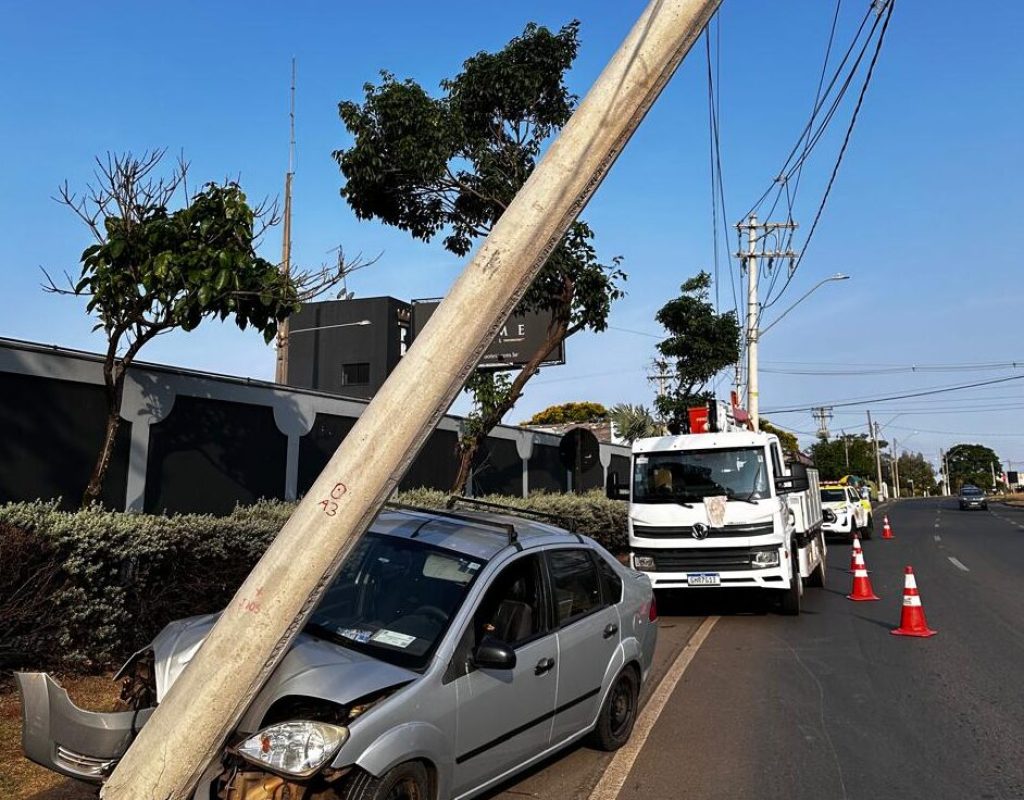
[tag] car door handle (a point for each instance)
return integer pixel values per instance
(544, 665)
(610, 630)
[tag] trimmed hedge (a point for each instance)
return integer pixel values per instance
(85, 589)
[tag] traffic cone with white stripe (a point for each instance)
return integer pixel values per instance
(853, 553)
(886, 530)
(912, 621)
(861, 582)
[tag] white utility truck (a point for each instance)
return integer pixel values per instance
(723, 508)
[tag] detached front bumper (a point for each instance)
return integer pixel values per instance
(60, 736)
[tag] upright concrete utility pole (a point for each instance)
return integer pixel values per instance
(281, 369)
(752, 260)
(873, 430)
(894, 461)
(188, 729)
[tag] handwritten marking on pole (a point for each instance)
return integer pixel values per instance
(330, 504)
(937, 538)
(252, 606)
(956, 563)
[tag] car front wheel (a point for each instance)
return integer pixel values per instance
(615, 722)
(408, 781)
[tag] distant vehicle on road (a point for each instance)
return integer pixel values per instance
(852, 514)
(452, 651)
(972, 497)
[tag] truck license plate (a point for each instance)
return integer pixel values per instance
(704, 579)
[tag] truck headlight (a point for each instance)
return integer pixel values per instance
(643, 562)
(295, 748)
(765, 558)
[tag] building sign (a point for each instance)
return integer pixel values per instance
(516, 343)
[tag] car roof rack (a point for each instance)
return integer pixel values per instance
(505, 527)
(542, 516)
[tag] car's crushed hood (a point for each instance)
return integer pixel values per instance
(311, 668)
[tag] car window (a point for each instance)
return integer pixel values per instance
(611, 581)
(575, 582)
(394, 598)
(512, 610)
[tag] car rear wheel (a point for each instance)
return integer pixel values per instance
(408, 781)
(618, 714)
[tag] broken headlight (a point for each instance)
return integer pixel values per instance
(297, 748)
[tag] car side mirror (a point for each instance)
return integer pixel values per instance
(493, 653)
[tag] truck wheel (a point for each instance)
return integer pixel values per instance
(817, 577)
(791, 597)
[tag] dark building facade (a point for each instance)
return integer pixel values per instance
(346, 347)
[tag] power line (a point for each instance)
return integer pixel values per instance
(894, 370)
(866, 401)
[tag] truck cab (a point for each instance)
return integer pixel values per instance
(723, 509)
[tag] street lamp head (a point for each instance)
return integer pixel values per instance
(839, 276)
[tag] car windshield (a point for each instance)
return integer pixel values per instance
(833, 495)
(691, 475)
(969, 491)
(394, 598)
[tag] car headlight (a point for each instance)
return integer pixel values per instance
(643, 562)
(829, 515)
(765, 558)
(294, 748)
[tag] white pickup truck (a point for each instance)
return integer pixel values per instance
(724, 509)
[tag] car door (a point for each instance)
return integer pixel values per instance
(588, 636)
(856, 509)
(503, 717)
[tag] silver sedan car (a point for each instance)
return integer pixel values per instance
(453, 650)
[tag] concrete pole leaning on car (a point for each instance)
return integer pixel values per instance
(188, 729)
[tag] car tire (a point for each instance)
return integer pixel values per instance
(817, 578)
(618, 714)
(791, 598)
(408, 781)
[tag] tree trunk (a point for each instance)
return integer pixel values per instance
(469, 445)
(99, 470)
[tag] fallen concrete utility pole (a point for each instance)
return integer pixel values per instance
(188, 729)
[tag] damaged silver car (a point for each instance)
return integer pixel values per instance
(453, 650)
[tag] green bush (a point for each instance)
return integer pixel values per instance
(88, 588)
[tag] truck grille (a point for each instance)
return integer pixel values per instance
(85, 765)
(686, 531)
(703, 559)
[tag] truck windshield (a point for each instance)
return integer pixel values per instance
(685, 476)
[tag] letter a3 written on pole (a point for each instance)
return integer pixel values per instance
(188, 729)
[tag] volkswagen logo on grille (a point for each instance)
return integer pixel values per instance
(700, 531)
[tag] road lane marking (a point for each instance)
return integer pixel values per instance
(621, 765)
(957, 563)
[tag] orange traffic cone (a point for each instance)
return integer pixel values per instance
(853, 553)
(861, 582)
(912, 622)
(886, 530)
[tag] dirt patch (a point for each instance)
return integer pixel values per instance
(20, 779)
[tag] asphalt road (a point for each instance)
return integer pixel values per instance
(830, 705)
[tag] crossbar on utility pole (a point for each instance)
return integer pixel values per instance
(751, 258)
(188, 729)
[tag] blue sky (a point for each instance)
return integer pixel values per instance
(925, 214)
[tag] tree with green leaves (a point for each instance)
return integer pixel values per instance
(700, 344)
(633, 422)
(790, 445)
(450, 165)
(917, 475)
(848, 454)
(153, 270)
(972, 464)
(563, 413)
